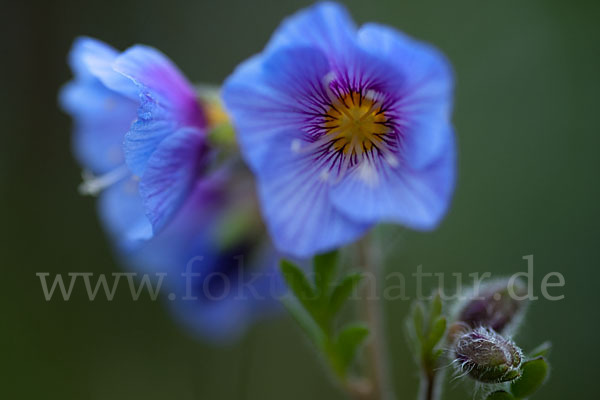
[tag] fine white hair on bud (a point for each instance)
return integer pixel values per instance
(486, 356)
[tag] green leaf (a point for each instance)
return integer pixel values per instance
(435, 309)
(325, 267)
(541, 351)
(500, 395)
(342, 291)
(437, 332)
(348, 342)
(298, 284)
(306, 322)
(418, 317)
(534, 373)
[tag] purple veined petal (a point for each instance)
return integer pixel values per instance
(326, 26)
(295, 201)
(424, 99)
(152, 126)
(92, 59)
(101, 118)
(155, 74)
(170, 175)
(168, 102)
(379, 191)
(122, 215)
(267, 98)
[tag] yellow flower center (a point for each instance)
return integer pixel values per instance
(356, 124)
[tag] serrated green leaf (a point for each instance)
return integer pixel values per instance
(534, 373)
(298, 284)
(342, 291)
(541, 351)
(305, 320)
(500, 395)
(417, 319)
(324, 268)
(348, 341)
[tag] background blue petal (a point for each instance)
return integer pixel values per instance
(122, 215)
(168, 102)
(101, 118)
(91, 58)
(170, 175)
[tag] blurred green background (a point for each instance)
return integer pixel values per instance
(527, 88)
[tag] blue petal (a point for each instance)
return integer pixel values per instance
(225, 319)
(326, 26)
(170, 175)
(380, 192)
(168, 102)
(122, 215)
(425, 95)
(87, 51)
(267, 97)
(101, 119)
(91, 58)
(296, 205)
(153, 125)
(151, 70)
(191, 240)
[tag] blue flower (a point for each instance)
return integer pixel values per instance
(344, 128)
(139, 134)
(214, 287)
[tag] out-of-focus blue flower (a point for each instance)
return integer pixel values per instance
(344, 128)
(214, 283)
(139, 129)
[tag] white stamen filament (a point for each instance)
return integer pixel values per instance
(92, 185)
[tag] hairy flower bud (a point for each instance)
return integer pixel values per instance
(487, 356)
(497, 305)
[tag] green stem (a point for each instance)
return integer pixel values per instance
(428, 386)
(380, 388)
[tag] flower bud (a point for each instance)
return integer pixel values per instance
(487, 356)
(456, 330)
(496, 306)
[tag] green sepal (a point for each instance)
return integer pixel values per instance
(541, 351)
(500, 395)
(534, 373)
